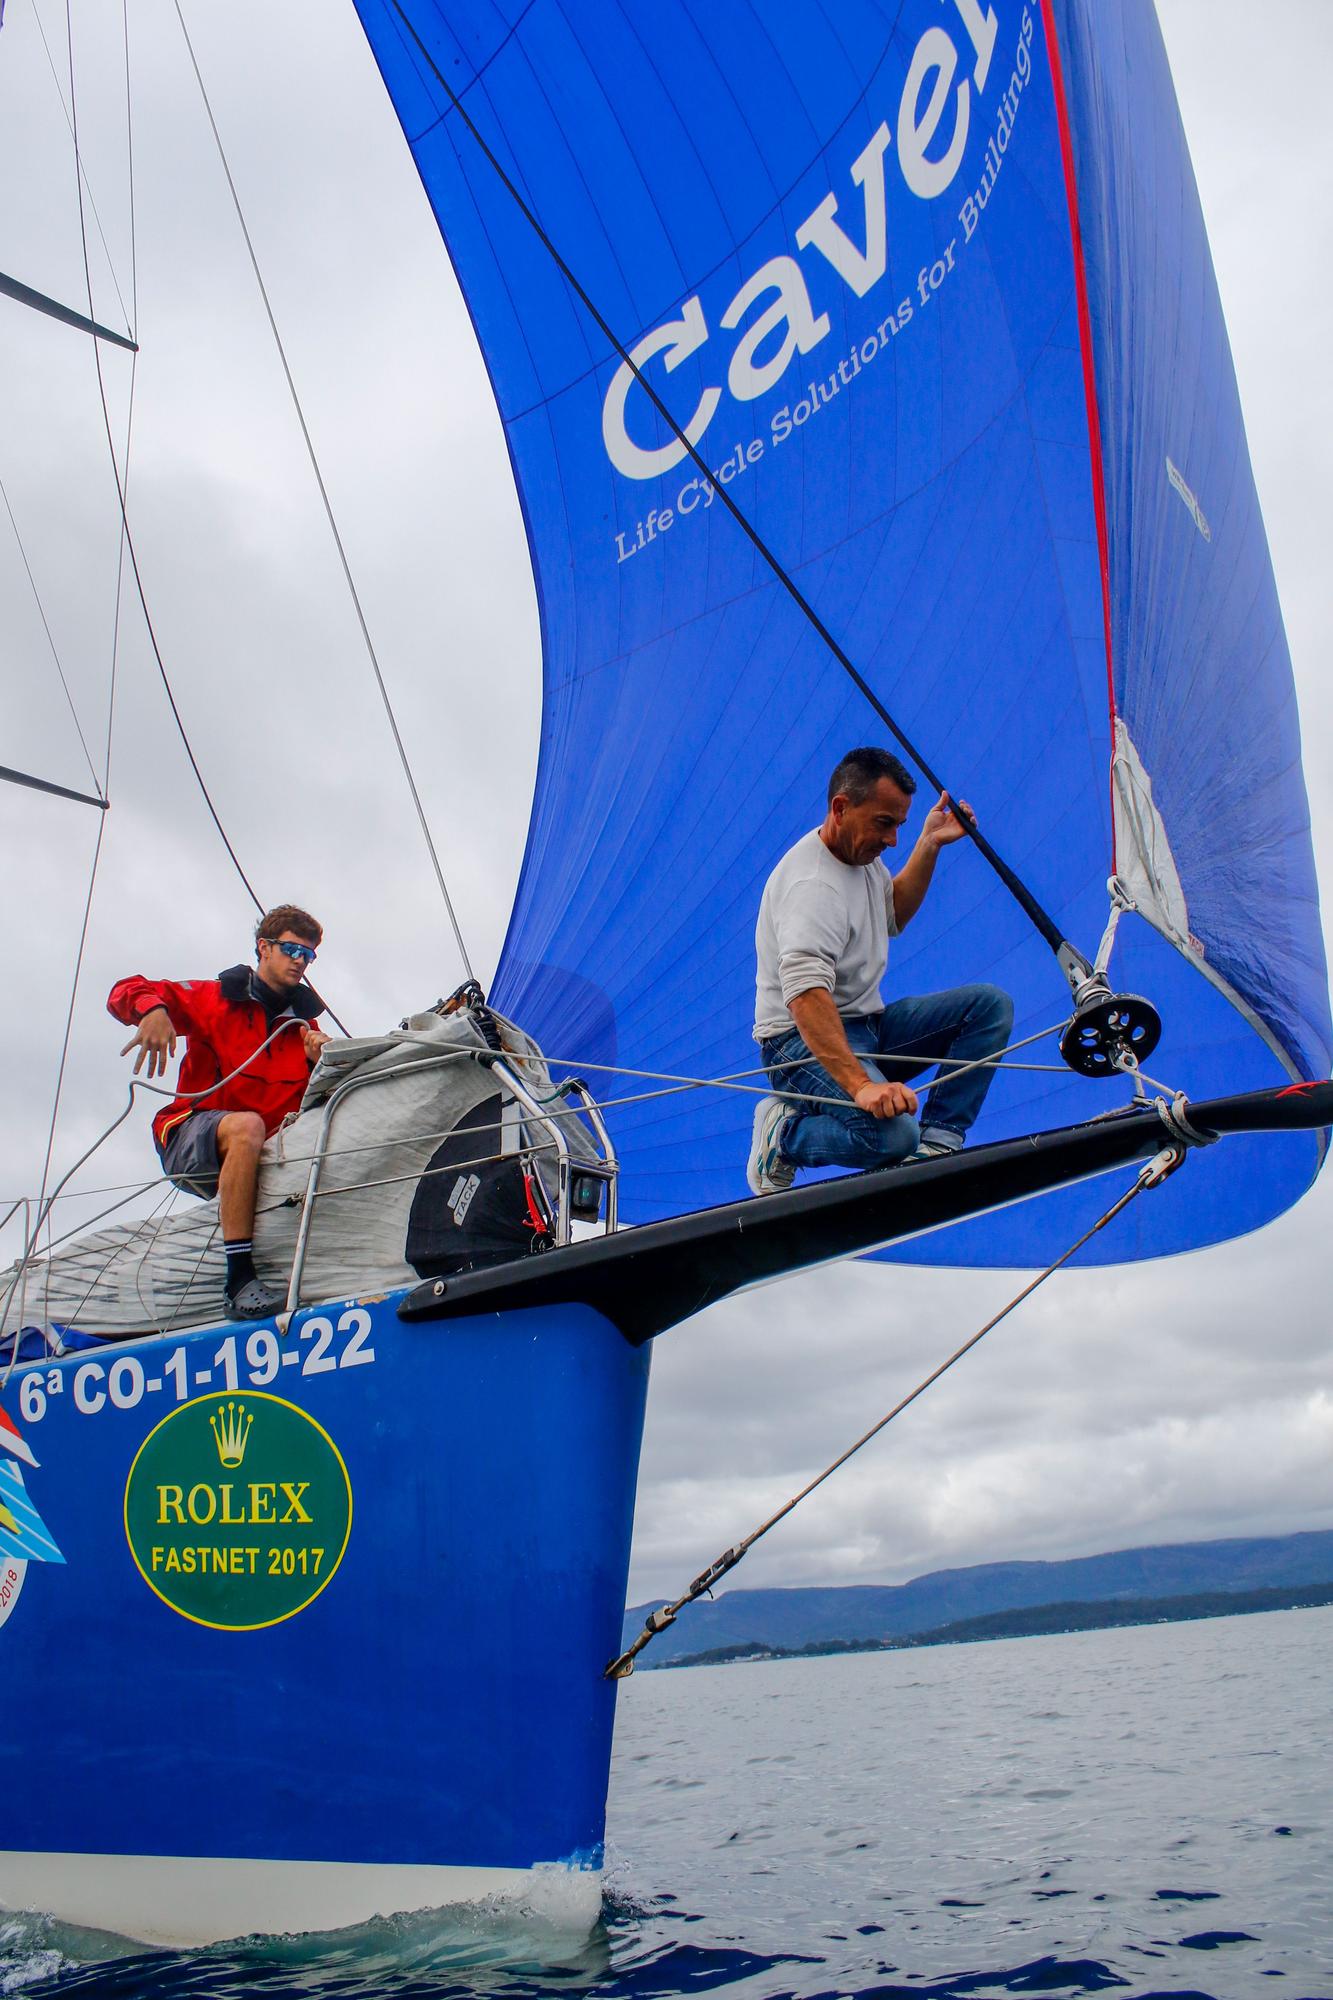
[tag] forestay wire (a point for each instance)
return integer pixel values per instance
(1152, 1175)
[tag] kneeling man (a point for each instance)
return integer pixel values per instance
(822, 941)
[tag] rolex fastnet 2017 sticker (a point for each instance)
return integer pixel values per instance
(237, 1510)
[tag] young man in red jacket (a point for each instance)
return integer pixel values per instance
(250, 1032)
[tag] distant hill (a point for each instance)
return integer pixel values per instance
(1038, 1620)
(788, 1620)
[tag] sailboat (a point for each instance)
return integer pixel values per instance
(861, 378)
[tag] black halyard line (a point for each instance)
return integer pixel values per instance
(1017, 888)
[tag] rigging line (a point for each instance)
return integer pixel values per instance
(43, 1208)
(89, 1222)
(69, 1016)
(119, 1250)
(678, 1085)
(733, 1076)
(85, 1194)
(55, 655)
(134, 376)
(328, 509)
(200, 1260)
(136, 1083)
(92, 878)
(734, 1081)
(1075, 966)
(149, 1249)
(120, 590)
(71, 123)
(129, 163)
(22, 1311)
(1151, 1175)
(129, 538)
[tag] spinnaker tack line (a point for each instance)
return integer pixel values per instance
(1184, 1135)
(1109, 1032)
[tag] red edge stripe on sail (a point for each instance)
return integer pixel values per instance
(1089, 366)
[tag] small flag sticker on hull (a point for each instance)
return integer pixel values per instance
(12, 1439)
(23, 1533)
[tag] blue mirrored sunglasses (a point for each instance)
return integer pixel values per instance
(304, 952)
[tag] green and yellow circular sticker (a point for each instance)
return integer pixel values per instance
(237, 1509)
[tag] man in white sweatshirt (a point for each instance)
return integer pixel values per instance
(822, 941)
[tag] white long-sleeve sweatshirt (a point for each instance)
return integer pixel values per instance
(822, 922)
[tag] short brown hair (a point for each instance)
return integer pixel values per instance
(288, 917)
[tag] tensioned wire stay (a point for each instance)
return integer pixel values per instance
(1153, 1174)
(334, 530)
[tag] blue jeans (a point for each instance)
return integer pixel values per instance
(965, 1024)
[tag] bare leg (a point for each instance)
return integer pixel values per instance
(240, 1139)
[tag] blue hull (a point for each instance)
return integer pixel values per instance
(432, 1696)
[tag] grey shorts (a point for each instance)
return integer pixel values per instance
(190, 1156)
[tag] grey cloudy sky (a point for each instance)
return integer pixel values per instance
(1189, 1398)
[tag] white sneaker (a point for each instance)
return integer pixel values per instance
(930, 1149)
(766, 1171)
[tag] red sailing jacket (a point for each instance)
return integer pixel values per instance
(223, 1026)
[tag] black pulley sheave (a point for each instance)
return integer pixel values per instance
(1109, 1033)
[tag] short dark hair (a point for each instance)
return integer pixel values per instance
(859, 772)
(288, 917)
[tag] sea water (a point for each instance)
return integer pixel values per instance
(1147, 1810)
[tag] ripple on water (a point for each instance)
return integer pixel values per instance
(800, 1831)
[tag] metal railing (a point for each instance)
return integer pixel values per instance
(569, 1167)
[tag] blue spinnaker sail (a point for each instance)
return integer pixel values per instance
(926, 284)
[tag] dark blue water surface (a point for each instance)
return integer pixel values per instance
(1148, 1810)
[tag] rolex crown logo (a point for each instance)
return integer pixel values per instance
(231, 1432)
